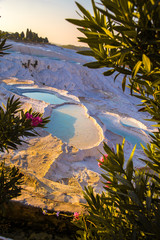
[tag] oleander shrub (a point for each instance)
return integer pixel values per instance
(10, 181)
(15, 126)
(124, 36)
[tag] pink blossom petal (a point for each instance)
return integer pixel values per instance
(36, 121)
(76, 216)
(28, 116)
(107, 185)
(99, 164)
(101, 159)
(108, 182)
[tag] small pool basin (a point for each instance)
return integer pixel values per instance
(123, 129)
(71, 124)
(43, 96)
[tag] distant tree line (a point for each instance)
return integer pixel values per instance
(29, 36)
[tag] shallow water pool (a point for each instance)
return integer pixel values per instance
(71, 124)
(43, 96)
(125, 130)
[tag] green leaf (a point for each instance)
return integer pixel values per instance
(84, 11)
(123, 142)
(120, 153)
(121, 59)
(81, 23)
(147, 63)
(129, 169)
(116, 76)
(93, 65)
(112, 6)
(130, 33)
(3, 105)
(123, 181)
(117, 18)
(108, 33)
(110, 46)
(136, 68)
(109, 72)
(117, 54)
(86, 53)
(135, 198)
(132, 153)
(123, 70)
(124, 83)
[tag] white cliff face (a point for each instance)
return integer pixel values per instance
(59, 70)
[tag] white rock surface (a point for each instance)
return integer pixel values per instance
(57, 167)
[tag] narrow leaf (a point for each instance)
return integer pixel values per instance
(132, 153)
(124, 83)
(108, 32)
(109, 72)
(136, 68)
(146, 62)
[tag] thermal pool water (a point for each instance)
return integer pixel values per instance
(71, 124)
(129, 130)
(43, 96)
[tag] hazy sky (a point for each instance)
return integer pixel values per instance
(45, 17)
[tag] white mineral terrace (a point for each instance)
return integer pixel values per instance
(86, 109)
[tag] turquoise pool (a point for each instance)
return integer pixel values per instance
(70, 123)
(122, 129)
(43, 96)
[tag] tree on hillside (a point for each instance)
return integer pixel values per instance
(124, 35)
(22, 35)
(30, 36)
(16, 35)
(27, 33)
(46, 40)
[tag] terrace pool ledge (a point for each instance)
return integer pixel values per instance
(69, 119)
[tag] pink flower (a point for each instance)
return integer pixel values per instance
(36, 121)
(102, 159)
(138, 90)
(28, 116)
(76, 216)
(107, 185)
(99, 164)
